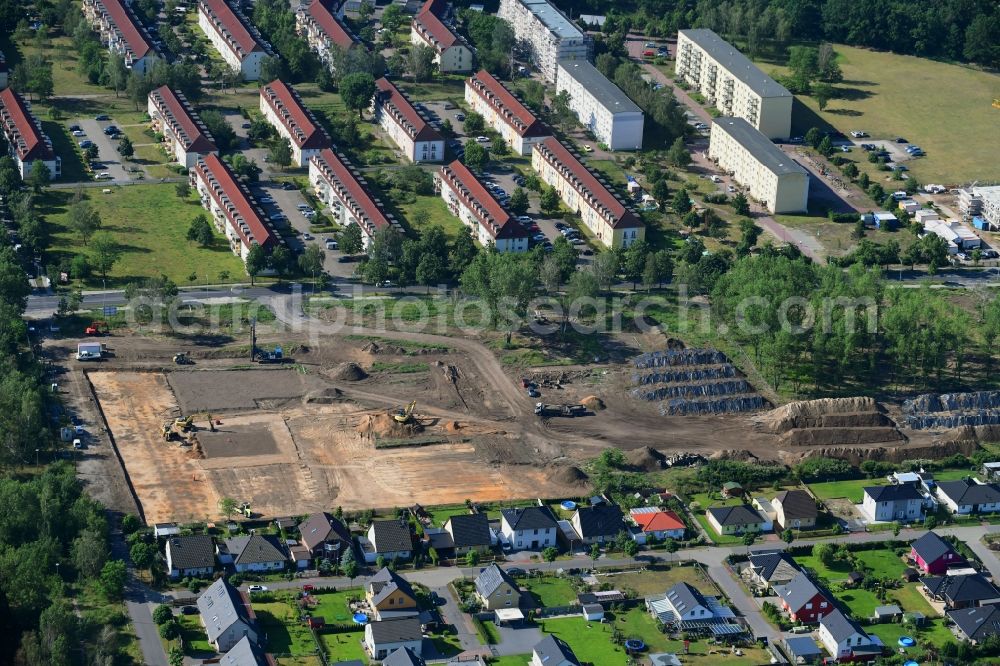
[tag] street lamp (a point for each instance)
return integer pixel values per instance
(36, 457)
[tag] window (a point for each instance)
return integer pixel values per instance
(809, 606)
(822, 604)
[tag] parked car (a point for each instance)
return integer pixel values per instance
(101, 117)
(845, 149)
(900, 139)
(78, 133)
(307, 236)
(74, 128)
(256, 588)
(588, 148)
(459, 117)
(111, 129)
(385, 284)
(86, 143)
(859, 134)
(560, 225)
(245, 126)
(533, 392)
(104, 175)
(189, 610)
(302, 206)
(331, 244)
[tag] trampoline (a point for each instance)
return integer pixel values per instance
(635, 645)
(910, 663)
(906, 641)
(360, 618)
(569, 505)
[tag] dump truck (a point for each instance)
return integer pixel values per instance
(543, 409)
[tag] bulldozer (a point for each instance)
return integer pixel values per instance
(405, 414)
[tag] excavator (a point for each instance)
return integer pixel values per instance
(178, 428)
(96, 328)
(405, 414)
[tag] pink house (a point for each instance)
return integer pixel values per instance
(934, 555)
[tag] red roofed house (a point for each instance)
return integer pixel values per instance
(415, 137)
(477, 208)
(341, 187)
(25, 140)
(233, 209)
(319, 25)
(600, 210)
(239, 44)
(186, 136)
(452, 53)
(283, 108)
(658, 523)
(121, 32)
(505, 113)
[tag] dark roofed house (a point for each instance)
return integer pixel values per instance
(977, 624)
(226, 616)
(469, 532)
(802, 600)
(735, 519)
(254, 553)
(553, 651)
(192, 555)
(325, 536)
(846, 640)
(901, 502)
(496, 589)
(530, 527)
(767, 569)
(598, 524)
(391, 539)
(963, 591)
(403, 657)
(245, 653)
(802, 649)
(933, 555)
(795, 509)
(688, 604)
(965, 496)
(389, 595)
(385, 637)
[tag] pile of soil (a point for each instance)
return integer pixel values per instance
(593, 403)
(826, 412)
(383, 425)
(840, 436)
(570, 476)
(326, 396)
(194, 451)
(348, 372)
(452, 426)
(741, 455)
(645, 459)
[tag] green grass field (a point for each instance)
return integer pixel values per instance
(852, 490)
(344, 647)
(150, 222)
(945, 109)
(658, 581)
(285, 634)
(549, 590)
(437, 213)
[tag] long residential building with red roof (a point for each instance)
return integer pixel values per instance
(25, 139)
(234, 211)
(283, 108)
(318, 24)
(121, 32)
(600, 210)
(342, 187)
(185, 136)
(451, 52)
(415, 137)
(232, 35)
(504, 112)
(479, 210)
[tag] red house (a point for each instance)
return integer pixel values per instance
(934, 555)
(802, 600)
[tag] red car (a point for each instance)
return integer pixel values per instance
(307, 588)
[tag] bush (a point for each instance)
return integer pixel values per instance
(163, 614)
(824, 469)
(170, 630)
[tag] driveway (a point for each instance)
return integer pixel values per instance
(462, 622)
(107, 149)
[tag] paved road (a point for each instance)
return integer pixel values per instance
(139, 602)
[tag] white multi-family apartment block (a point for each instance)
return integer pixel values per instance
(417, 140)
(26, 141)
(239, 43)
(319, 25)
(981, 203)
(504, 112)
(452, 53)
(185, 136)
(770, 175)
(547, 33)
(733, 84)
(283, 108)
(121, 32)
(343, 189)
(601, 106)
(600, 210)
(233, 209)
(479, 210)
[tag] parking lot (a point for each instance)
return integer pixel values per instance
(107, 148)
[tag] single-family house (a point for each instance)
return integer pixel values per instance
(991, 471)
(688, 604)
(403, 657)
(598, 524)
(845, 640)
(530, 527)
(553, 651)
(226, 616)
(802, 649)
(245, 653)
(253, 553)
(802, 600)
(389, 595)
(976, 624)
(933, 555)
(469, 532)
(966, 496)
(794, 509)
(732, 489)
(496, 589)
(192, 555)
(771, 569)
(735, 519)
(325, 536)
(391, 539)
(386, 636)
(658, 523)
(888, 503)
(964, 591)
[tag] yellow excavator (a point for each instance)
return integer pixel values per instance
(177, 428)
(405, 414)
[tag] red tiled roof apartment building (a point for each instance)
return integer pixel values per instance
(415, 137)
(283, 108)
(318, 24)
(342, 187)
(472, 203)
(233, 209)
(239, 43)
(503, 112)
(121, 31)
(452, 53)
(185, 136)
(26, 141)
(600, 210)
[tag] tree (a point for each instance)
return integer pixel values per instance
(112, 579)
(182, 189)
(256, 261)
(605, 269)
(518, 203)
(813, 136)
(311, 260)
(279, 152)
(392, 17)
(506, 284)
(176, 656)
(163, 614)
(105, 253)
(357, 90)
(348, 564)
(90, 552)
(824, 552)
(825, 147)
(822, 93)
(499, 147)
(463, 251)
(681, 203)
(282, 261)
(201, 231)
(930, 522)
(83, 219)
(473, 123)
(595, 553)
(549, 202)
(170, 630)
(39, 176)
(740, 205)
(630, 548)
(851, 170)
(749, 538)
(533, 94)
(475, 156)
(678, 154)
(91, 152)
(788, 536)
(634, 261)
(142, 554)
(350, 240)
(420, 62)
(227, 507)
(431, 270)
(220, 129)
(981, 40)
(661, 192)
(471, 559)
(550, 554)
(125, 148)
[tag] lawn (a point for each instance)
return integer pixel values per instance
(440, 515)
(193, 635)
(150, 223)
(438, 215)
(658, 581)
(549, 590)
(514, 660)
(333, 606)
(951, 117)
(836, 572)
(883, 563)
(852, 490)
(935, 632)
(285, 635)
(729, 539)
(344, 647)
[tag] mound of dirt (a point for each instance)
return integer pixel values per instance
(325, 396)
(826, 412)
(593, 403)
(840, 436)
(570, 475)
(383, 425)
(741, 455)
(452, 426)
(645, 459)
(348, 372)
